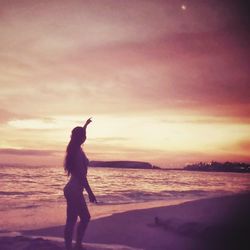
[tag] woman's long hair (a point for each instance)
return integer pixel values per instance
(77, 136)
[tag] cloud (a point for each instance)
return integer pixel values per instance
(134, 62)
(205, 120)
(120, 59)
(109, 139)
(28, 152)
(243, 146)
(6, 115)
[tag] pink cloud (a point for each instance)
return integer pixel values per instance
(28, 152)
(164, 59)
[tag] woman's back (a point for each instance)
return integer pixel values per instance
(78, 171)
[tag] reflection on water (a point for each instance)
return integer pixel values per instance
(29, 187)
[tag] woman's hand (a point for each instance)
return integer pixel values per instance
(87, 122)
(92, 198)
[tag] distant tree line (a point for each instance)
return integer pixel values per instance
(220, 167)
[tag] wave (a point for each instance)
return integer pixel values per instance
(28, 206)
(6, 193)
(12, 193)
(141, 196)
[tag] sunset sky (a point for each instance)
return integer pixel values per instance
(164, 81)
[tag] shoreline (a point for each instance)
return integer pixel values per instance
(54, 215)
(204, 224)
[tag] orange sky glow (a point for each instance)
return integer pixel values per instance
(165, 81)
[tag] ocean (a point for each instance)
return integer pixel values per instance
(32, 187)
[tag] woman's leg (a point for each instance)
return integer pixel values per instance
(84, 215)
(70, 223)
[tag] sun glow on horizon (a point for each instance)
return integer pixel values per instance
(142, 133)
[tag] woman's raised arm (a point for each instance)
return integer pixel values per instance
(87, 123)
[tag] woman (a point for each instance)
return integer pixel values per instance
(76, 165)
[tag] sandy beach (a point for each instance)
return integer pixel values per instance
(204, 224)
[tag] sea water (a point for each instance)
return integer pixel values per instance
(31, 187)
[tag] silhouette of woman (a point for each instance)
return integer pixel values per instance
(76, 165)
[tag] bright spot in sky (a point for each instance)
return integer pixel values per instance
(183, 7)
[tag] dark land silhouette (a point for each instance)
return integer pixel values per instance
(122, 164)
(220, 167)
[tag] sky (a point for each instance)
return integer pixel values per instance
(164, 81)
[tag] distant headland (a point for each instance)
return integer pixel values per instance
(122, 164)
